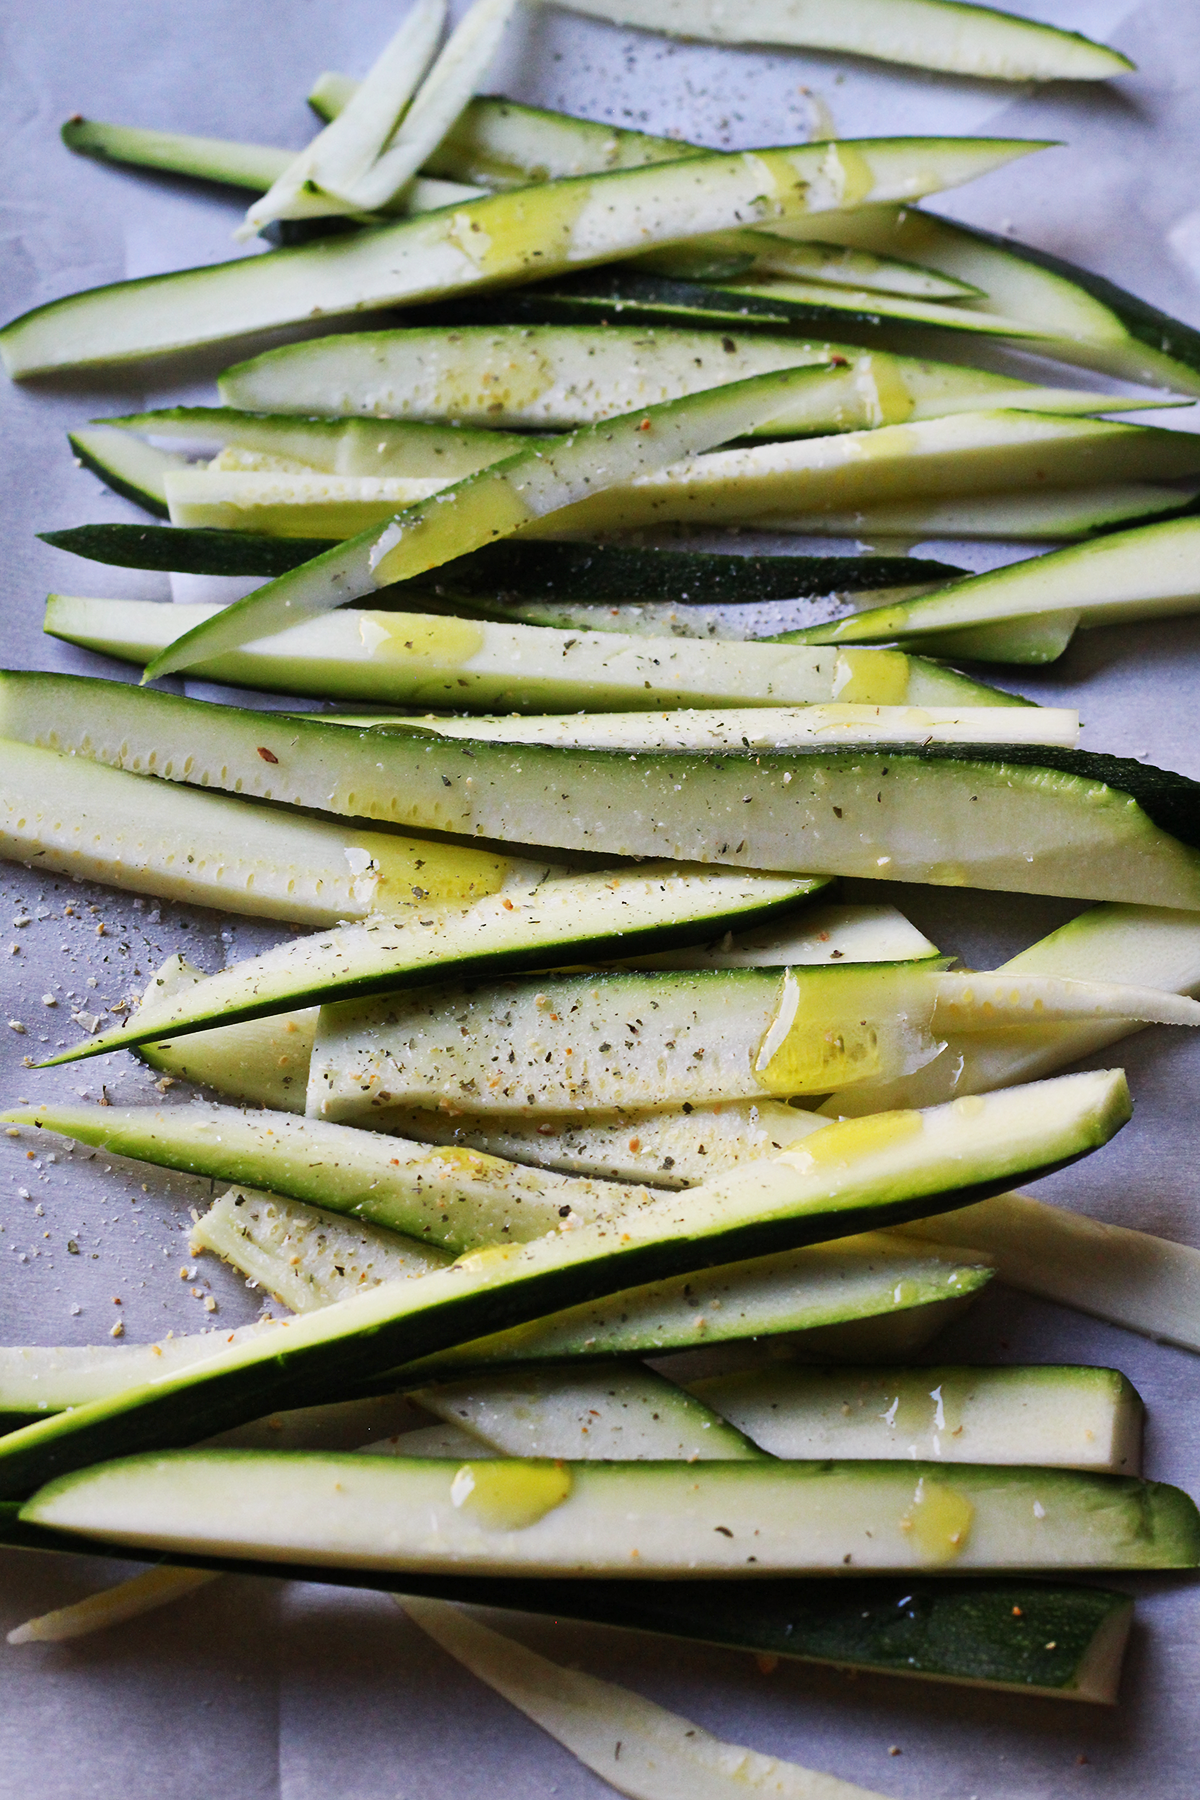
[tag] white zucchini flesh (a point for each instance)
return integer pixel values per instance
(598, 1043)
(305, 1257)
(1031, 517)
(505, 237)
(80, 818)
(234, 439)
(709, 730)
(619, 1412)
(970, 454)
(1083, 321)
(753, 255)
(536, 484)
(859, 1297)
(635, 1746)
(1059, 1417)
(1150, 944)
(1072, 824)
(263, 1062)
(646, 1519)
(1151, 573)
(422, 658)
(589, 915)
(450, 1199)
(1147, 1284)
(128, 464)
(555, 377)
(113, 1606)
(930, 34)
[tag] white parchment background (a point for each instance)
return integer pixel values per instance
(253, 1689)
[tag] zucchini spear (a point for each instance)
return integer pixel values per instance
(846, 1178)
(484, 243)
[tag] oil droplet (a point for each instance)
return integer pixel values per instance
(396, 637)
(403, 873)
(938, 1521)
(509, 1496)
(491, 1257)
(453, 522)
(848, 1139)
(871, 678)
(884, 393)
(848, 173)
(833, 1029)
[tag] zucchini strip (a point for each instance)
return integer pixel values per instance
(503, 238)
(857, 1297)
(254, 166)
(611, 1042)
(144, 1593)
(520, 490)
(583, 572)
(501, 1516)
(449, 1199)
(409, 658)
(846, 1178)
(660, 1755)
(926, 34)
(1147, 1284)
(528, 377)
(1058, 1417)
(79, 818)
(1151, 573)
(337, 446)
(1067, 512)
(592, 916)
(1021, 819)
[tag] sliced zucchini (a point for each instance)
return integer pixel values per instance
(1059, 1417)
(304, 1256)
(451, 1200)
(590, 916)
(534, 485)
(504, 237)
(828, 1296)
(130, 467)
(617, 1412)
(253, 166)
(754, 255)
(846, 1178)
(928, 34)
(1151, 573)
(409, 658)
(263, 1062)
(337, 446)
(522, 567)
(1026, 820)
(1150, 944)
(607, 1043)
(80, 818)
(516, 1517)
(1033, 517)
(529, 377)
(1148, 1284)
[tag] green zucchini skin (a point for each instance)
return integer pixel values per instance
(1140, 825)
(985, 1633)
(518, 568)
(861, 1180)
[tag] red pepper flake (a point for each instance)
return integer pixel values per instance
(267, 755)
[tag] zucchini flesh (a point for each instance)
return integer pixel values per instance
(930, 34)
(337, 446)
(504, 237)
(130, 467)
(510, 1516)
(613, 1412)
(1059, 1417)
(82, 819)
(1150, 573)
(605, 1043)
(1034, 517)
(1100, 827)
(412, 658)
(812, 1296)
(304, 1256)
(1150, 944)
(982, 1633)
(449, 1200)
(846, 1178)
(1147, 1284)
(590, 915)
(529, 377)
(263, 1062)
(585, 572)
(253, 166)
(524, 489)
